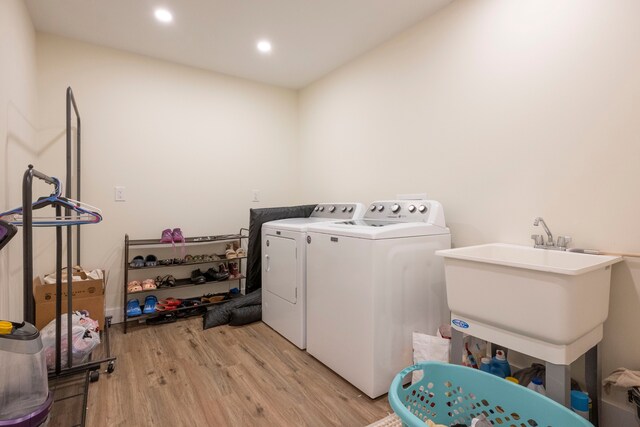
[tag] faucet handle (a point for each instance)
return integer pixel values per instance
(538, 239)
(563, 241)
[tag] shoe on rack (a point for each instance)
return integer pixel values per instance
(162, 318)
(151, 261)
(197, 278)
(133, 308)
(167, 236)
(230, 253)
(150, 304)
(137, 262)
(215, 276)
(165, 281)
(234, 273)
(177, 235)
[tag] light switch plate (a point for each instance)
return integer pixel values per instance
(119, 194)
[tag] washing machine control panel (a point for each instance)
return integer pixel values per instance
(404, 210)
(338, 210)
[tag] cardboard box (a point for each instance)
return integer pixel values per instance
(87, 295)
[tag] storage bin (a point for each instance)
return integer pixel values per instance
(451, 394)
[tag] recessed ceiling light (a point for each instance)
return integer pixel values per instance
(264, 46)
(163, 15)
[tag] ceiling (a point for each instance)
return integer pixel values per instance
(310, 37)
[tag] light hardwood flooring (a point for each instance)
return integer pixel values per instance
(179, 375)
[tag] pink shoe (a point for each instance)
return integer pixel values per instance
(167, 237)
(177, 235)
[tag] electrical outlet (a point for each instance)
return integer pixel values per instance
(256, 195)
(119, 194)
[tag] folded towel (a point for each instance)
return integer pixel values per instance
(622, 377)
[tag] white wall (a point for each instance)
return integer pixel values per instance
(18, 136)
(188, 145)
(502, 111)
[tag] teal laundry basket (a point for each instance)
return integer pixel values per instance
(451, 394)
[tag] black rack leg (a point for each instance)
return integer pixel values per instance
(58, 294)
(69, 297)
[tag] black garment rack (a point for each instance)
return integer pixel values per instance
(27, 212)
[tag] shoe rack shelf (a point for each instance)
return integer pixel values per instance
(137, 244)
(187, 264)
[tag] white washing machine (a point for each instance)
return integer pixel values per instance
(284, 268)
(370, 284)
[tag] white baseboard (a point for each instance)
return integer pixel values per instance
(116, 314)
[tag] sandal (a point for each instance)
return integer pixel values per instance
(151, 261)
(150, 304)
(166, 281)
(137, 262)
(148, 284)
(165, 262)
(171, 302)
(133, 308)
(230, 253)
(241, 252)
(188, 259)
(215, 257)
(134, 286)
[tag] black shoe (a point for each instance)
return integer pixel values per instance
(162, 318)
(215, 276)
(197, 278)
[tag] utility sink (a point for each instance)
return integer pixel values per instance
(548, 304)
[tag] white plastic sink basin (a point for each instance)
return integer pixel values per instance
(540, 302)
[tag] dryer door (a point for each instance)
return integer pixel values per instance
(279, 265)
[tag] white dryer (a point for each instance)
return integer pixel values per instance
(284, 268)
(370, 284)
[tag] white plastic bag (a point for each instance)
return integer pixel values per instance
(428, 348)
(84, 338)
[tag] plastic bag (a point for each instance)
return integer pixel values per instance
(84, 338)
(428, 348)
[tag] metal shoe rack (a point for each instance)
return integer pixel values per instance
(132, 244)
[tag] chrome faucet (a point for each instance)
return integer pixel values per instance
(561, 244)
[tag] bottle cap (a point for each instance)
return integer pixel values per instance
(485, 360)
(500, 355)
(513, 380)
(536, 380)
(579, 401)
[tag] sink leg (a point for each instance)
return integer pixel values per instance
(592, 378)
(456, 346)
(558, 383)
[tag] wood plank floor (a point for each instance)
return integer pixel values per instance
(179, 375)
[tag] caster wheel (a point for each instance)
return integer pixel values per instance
(111, 367)
(94, 376)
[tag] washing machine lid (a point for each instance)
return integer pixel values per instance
(323, 212)
(378, 229)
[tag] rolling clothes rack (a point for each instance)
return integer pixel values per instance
(27, 212)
